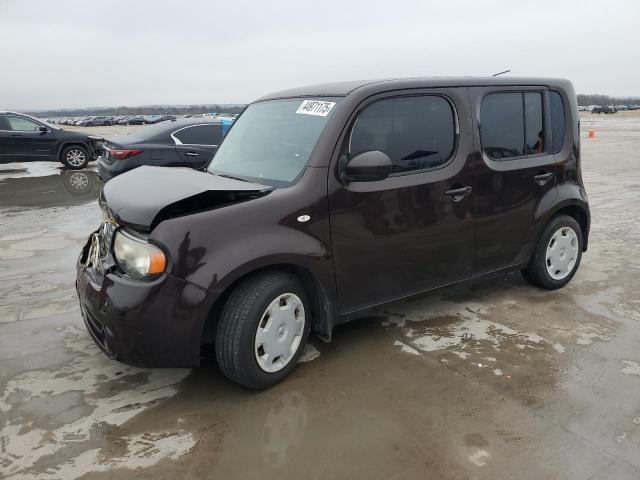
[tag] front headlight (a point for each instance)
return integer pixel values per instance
(136, 257)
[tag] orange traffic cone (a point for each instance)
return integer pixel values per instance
(592, 133)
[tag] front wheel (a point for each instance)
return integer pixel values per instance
(75, 157)
(557, 255)
(263, 329)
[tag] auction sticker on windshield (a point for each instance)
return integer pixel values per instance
(315, 107)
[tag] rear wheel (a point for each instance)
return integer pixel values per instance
(262, 330)
(557, 255)
(75, 157)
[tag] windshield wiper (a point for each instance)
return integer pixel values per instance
(232, 177)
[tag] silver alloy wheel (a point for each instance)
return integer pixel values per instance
(75, 157)
(279, 332)
(78, 180)
(562, 253)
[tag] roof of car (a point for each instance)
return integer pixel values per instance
(345, 88)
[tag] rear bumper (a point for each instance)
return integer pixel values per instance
(146, 324)
(106, 170)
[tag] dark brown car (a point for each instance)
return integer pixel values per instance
(325, 202)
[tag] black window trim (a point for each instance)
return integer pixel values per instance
(177, 141)
(456, 123)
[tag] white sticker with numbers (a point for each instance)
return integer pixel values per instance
(315, 107)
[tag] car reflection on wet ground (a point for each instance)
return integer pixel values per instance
(493, 379)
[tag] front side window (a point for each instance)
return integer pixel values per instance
(511, 125)
(199, 135)
(270, 143)
(20, 124)
(416, 132)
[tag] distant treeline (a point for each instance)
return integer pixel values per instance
(148, 110)
(606, 100)
(209, 108)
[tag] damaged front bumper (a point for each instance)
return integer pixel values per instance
(149, 324)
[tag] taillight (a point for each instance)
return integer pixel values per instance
(121, 154)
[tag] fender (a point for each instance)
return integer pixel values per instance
(569, 195)
(280, 247)
(213, 249)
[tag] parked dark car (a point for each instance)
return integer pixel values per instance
(184, 143)
(96, 122)
(136, 120)
(604, 110)
(324, 203)
(26, 138)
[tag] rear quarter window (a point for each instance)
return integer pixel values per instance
(199, 135)
(557, 121)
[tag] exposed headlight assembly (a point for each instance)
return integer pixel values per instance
(136, 257)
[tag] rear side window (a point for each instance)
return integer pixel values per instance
(416, 132)
(199, 135)
(557, 121)
(511, 125)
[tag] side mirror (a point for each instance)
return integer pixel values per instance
(369, 166)
(43, 129)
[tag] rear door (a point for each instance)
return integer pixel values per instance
(414, 230)
(516, 173)
(196, 144)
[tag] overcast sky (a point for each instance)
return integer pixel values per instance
(68, 53)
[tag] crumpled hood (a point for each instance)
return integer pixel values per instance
(145, 196)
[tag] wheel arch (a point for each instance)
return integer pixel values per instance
(322, 305)
(575, 209)
(71, 143)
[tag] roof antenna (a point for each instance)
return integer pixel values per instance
(500, 73)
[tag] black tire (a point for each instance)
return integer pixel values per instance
(238, 324)
(67, 152)
(536, 271)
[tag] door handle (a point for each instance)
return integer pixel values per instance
(458, 194)
(543, 178)
(191, 154)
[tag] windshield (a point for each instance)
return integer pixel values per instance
(271, 141)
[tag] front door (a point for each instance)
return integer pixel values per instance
(515, 174)
(25, 141)
(414, 230)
